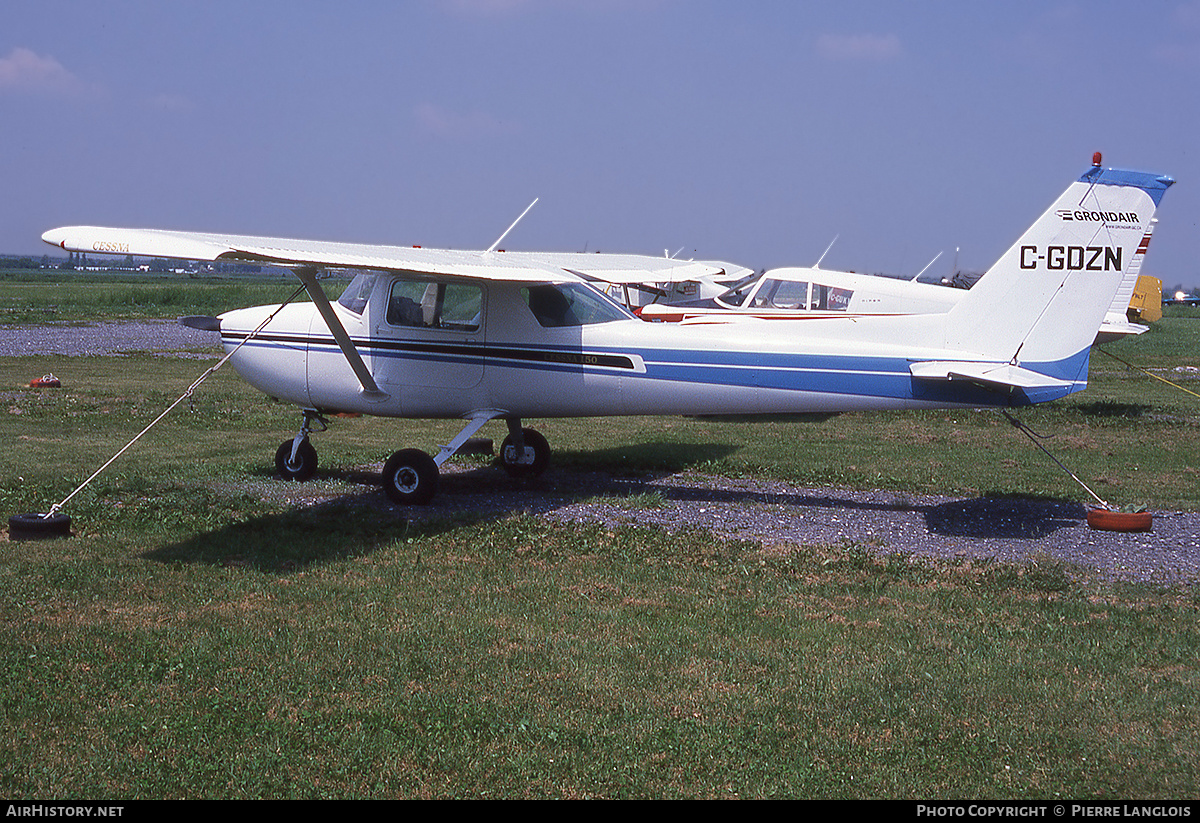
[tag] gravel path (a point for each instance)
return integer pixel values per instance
(105, 338)
(1010, 530)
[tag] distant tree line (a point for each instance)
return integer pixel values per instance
(10, 262)
(80, 261)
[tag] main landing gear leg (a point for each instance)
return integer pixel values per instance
(410, 476)
(524, 453)
(296, 459)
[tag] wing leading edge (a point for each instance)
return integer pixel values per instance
(292, 253)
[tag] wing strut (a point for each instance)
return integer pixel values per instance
(308, 276)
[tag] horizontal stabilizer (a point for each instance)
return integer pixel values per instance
(1110, 331)
(996, 374)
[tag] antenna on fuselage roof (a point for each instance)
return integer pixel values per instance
(927, 265)
(817, 265)
(500, 239)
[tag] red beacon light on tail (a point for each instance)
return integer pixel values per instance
(1096, 159)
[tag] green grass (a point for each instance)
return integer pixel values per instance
(202, 636)
(30, 298)
(339, 653)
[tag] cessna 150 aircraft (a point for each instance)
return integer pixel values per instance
(431, 333)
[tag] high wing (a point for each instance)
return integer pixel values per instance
(307, 257)
(290, 253)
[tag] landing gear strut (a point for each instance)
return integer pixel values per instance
(410, 476)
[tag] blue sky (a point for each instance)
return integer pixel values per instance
(753, 132)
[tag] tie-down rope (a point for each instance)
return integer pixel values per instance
(58, 506)
(1034, 436)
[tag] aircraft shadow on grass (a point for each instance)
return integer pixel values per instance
(359, 523)
(1003, 517)
(1027, 518)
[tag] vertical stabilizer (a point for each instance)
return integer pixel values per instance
(1042, 303)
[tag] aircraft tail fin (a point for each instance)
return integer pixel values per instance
(1040, 306)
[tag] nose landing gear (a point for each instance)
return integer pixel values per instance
(296, 459)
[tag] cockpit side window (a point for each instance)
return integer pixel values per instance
(785, 294)
(432, 305)
(570, 304)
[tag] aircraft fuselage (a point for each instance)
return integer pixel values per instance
(501, 357)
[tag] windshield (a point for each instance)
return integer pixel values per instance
(782, 294)
(358, 292)
(739, 291)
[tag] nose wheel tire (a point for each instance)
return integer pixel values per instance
(410, 477)
(300, 469)
(532, 462)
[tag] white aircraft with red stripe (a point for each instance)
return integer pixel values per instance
(491, 335)
(798, 293)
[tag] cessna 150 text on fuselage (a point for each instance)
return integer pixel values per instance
(427, 333)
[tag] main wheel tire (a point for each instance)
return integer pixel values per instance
(38, 525)
(303, 468)
(530, 464)
(410, 477)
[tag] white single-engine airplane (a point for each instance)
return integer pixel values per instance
(426, 333)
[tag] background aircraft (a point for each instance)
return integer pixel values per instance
(814, 292)
(491, 335)
(789, 293)
(1146, 303)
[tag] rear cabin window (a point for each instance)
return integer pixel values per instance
(571, 304)
(448, 306)
(830, 298)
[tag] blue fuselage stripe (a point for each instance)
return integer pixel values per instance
(868, 375)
